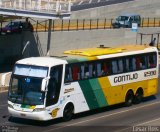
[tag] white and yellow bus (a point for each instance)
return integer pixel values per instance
(45, 88)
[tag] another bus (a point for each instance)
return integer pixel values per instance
(45, 88)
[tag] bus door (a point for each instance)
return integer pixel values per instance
(54, 85)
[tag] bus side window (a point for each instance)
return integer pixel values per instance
(126, 66)
(138, 63)
(99, 72)
(104, 69)
(75, 72)
(152, 60)
(86, 70)
(90, 70)
(82, 71)
(54, 85)
(114, 67)
(133, 64)
(120, 66)
(68, 74)
(107, 68)
(143, 62)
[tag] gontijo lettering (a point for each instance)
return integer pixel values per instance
(124, 78)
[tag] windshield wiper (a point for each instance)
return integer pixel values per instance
(14, 97)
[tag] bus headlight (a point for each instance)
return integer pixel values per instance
(10, 106)
(39, 109)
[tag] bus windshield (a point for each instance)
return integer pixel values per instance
(26, 89)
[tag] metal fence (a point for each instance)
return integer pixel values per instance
(83, 24)
(88, 24)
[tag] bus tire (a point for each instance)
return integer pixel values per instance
(138, 96)
(68, 112)
(129, 98)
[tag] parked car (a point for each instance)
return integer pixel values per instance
(126, 20)
(16, 27)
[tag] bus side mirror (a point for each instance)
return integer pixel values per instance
(44, 84)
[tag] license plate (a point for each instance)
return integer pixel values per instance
(23, 115)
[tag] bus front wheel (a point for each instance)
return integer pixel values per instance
(129, 98)
(68, 112)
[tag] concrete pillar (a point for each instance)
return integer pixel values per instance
(0, 3)
(20, 4)
(57, 6)
(49, 37)
(39, 4)
(48, 5)
(69, 6)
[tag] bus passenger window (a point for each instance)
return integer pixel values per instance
(104, 69)
(127, 65)
(114, 67)
(90, 70)
(133, 64)
(75, 72)
(86, 71)
(152, 61)
(99, 72)
(138, 63)
(143, 62)
(82, 71)
(68, 74)
(120, 66)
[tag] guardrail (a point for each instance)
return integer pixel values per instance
(84, 24)
(89, 24)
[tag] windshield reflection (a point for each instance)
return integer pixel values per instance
(122, 18)
(26, 90)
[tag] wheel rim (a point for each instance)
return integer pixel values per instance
(139, 97)
(129, 99)
(68, 113)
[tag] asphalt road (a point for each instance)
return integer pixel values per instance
(111, 119)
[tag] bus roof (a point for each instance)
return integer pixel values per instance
(102, 52)
(82, 55)
(41, 61)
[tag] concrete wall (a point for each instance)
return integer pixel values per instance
(146, 8)
(35, 44)
(61, 41)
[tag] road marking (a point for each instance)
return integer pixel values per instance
(1, 124)
(141, 124)
(124, 129)
(120, 112)
(148, 122)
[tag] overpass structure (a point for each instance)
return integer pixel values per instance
(47, 9)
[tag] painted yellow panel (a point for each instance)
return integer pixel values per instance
(152, 86)
(112, 94)
(32, 107)
(93, 51)
(117, 94)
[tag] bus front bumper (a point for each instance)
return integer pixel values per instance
(41, 116)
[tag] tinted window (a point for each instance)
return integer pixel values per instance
(118, 65)
(54, 85)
